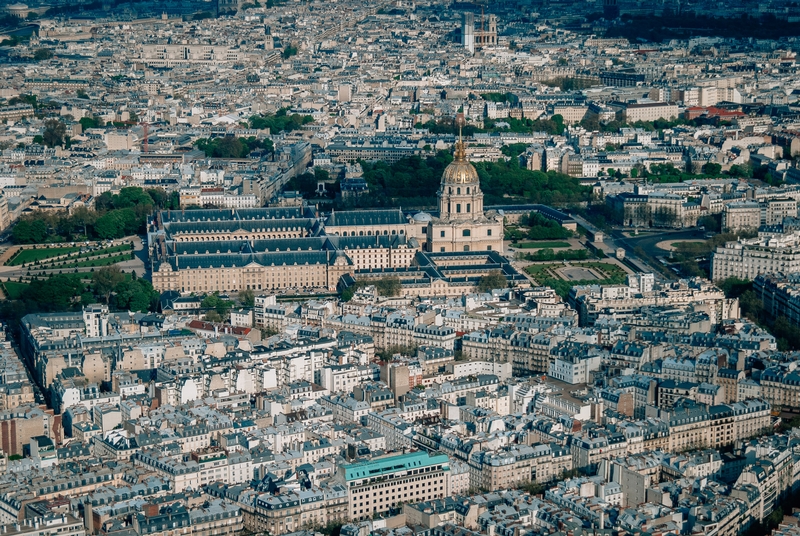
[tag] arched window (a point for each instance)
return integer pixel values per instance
(468, 207)
(458, 208)
(458, 191)
(467, 189)
(450, 190)
(465, 232)
(466, 248)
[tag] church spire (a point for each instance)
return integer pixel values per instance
(460, 155)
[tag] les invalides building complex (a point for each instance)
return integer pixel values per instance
(268, 249)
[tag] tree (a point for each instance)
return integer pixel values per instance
(493, 280)
(514, 149)
(712, 223)
(117, 223)
(220, 306)
(279, 122)
(743, 171)
(289, 51)
(90, 122)
(247, 298)
(132, 197)
(135, 295)
(541, 228)
(388, 286)
(55, 293)
(711, 168)
(106, 279)
(42, 54)
(83, 217)
(733, 287)
(29, 232)
(348, 293)
(54, 131)
(751, 306)
(213, 316)
(159, 196)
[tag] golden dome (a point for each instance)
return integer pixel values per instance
(460, 171)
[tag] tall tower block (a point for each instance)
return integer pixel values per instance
(468, 32)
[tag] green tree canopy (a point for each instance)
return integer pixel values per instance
(55, 293)
(493, 280)
(54, 131)
(106, 279)
(135, 295)
(280, 121)
(388, 286)
(219, 305)
(41, 54)
(247, 298)
(231, 146)
(91, 122)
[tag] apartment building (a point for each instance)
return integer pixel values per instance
(505, 468)
(780, 295)
(172, 55)
(63, 525)
(749, 257)
(694, 425)
(777, 209)
(592, 300)
(291, 511)
(740, 216)
(376, 485)
(649, 111)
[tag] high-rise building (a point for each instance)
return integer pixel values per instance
(468, 32)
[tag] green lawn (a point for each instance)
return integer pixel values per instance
(102, 262)
(686, 244)
(97, 253)
(14, 289)
(541, 245)
(38, 254)
(545, 275)
(114, 259)
(611, 271)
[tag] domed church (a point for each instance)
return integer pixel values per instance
(462, 224)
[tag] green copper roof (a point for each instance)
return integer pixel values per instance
(383, 466)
